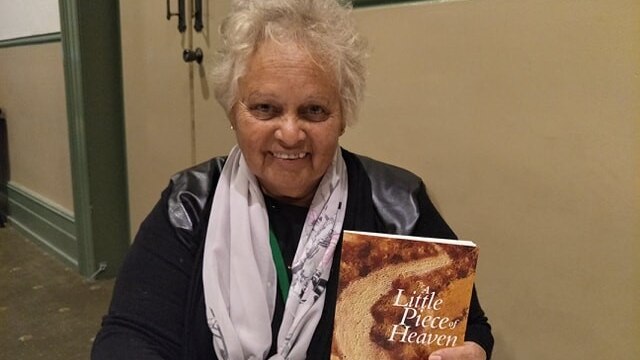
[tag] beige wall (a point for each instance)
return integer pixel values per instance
(522, 117)
(156, 103)
(172, 119)
(32, 96)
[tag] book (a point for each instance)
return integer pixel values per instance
(401, 297)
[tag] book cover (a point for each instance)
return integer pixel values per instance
(401, 297)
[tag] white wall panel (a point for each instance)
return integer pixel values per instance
(28, 17)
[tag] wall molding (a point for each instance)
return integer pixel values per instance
(370, 3)
(31, 40)
(43, 222)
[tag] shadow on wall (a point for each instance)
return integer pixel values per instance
(4, 168)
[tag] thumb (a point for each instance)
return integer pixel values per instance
(439, 354)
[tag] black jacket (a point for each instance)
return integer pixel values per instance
(157, 310)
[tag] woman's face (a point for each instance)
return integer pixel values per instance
(287, 120)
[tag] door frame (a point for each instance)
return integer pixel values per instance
(90, 32)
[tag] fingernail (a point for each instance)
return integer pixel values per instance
(435, 357)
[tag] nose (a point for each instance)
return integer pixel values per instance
(290, 131)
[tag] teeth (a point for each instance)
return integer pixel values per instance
(287, 156)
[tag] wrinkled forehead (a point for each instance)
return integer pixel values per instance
(281, 68)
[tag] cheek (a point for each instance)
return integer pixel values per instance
(249, 134)
(331, 134)
(243, 137)
(250, 145)
(325, 148)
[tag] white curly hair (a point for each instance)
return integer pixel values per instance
(325, 28)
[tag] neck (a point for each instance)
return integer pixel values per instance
(303, 201)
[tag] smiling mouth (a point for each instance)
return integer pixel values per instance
(289, 156)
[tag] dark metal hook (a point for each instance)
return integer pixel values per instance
(191, 55)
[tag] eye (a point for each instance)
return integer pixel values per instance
(314, 113)
(264, 111)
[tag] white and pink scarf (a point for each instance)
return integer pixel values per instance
(239, 274)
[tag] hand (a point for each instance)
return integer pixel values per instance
(467, 351)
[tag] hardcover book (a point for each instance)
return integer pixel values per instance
(401, 297)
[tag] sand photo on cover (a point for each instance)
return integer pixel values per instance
(400, 297)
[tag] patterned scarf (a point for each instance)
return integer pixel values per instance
(239, 274)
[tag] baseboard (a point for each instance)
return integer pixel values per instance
(43, 223)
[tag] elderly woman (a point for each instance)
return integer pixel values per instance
(204, 278)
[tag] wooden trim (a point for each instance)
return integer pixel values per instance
(368, 3)
(31, 40)
(43, 222)
(95, 110)
(75, 110)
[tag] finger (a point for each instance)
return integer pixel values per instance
(441, 354)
